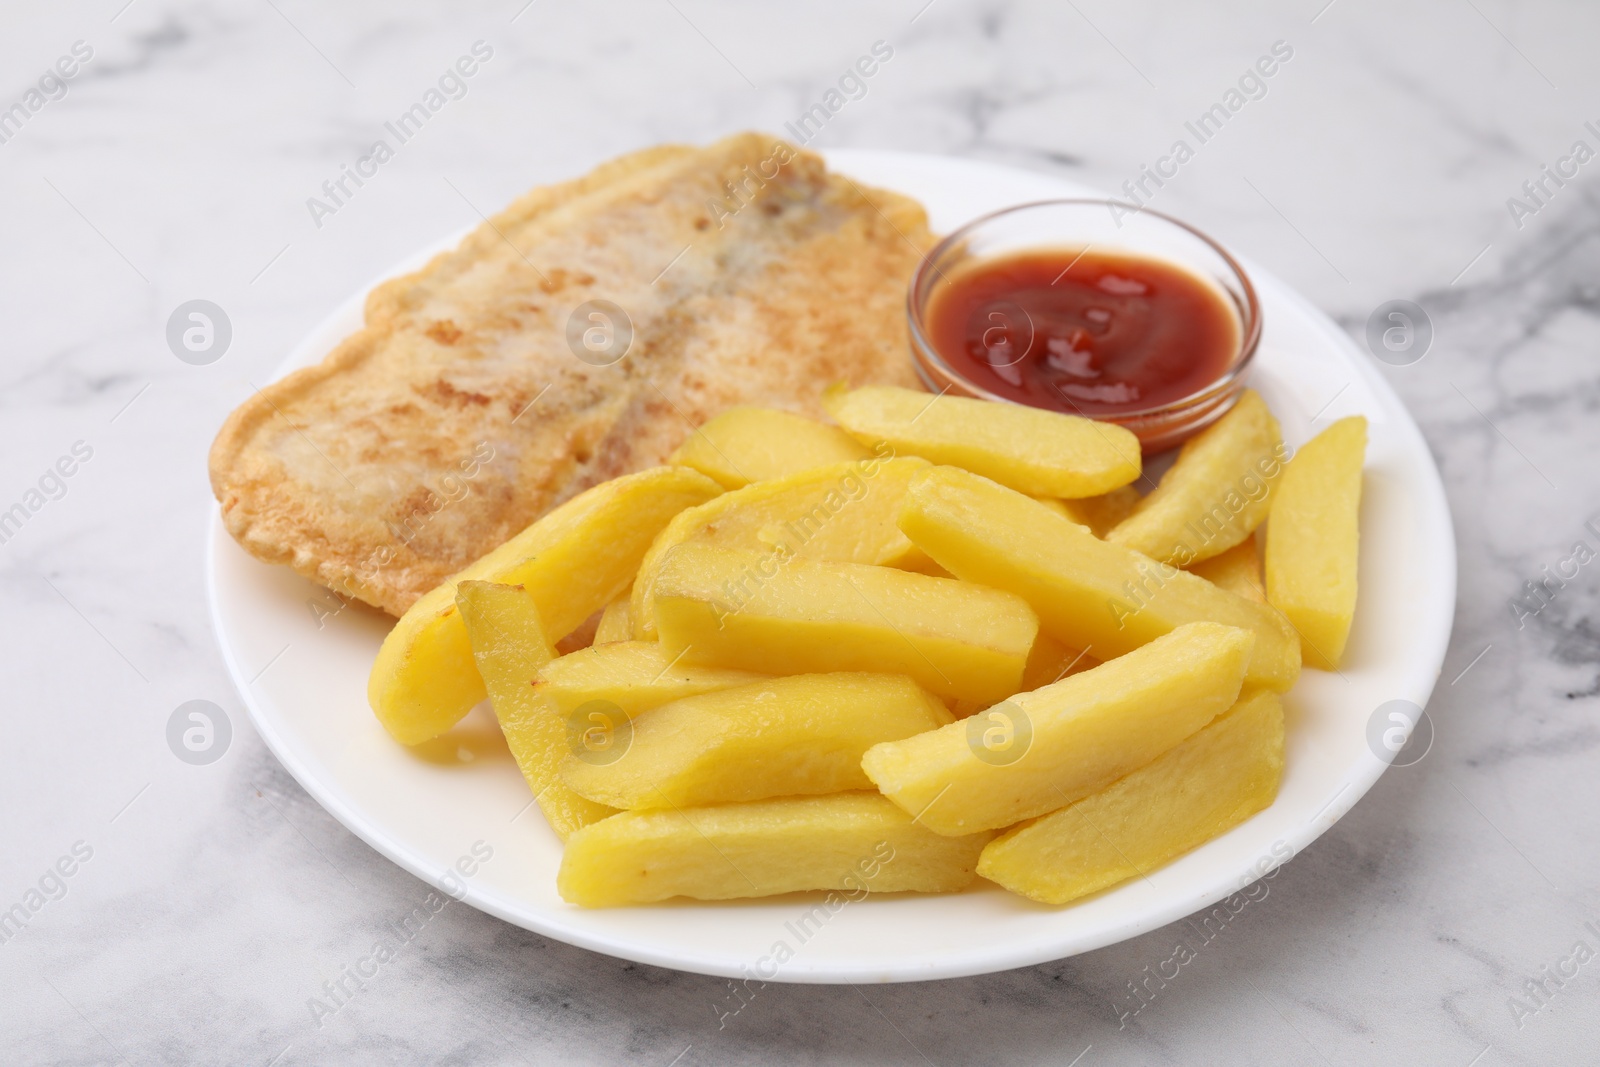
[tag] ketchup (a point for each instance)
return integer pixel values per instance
(1085, 332)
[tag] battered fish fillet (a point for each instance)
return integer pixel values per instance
(460, 413)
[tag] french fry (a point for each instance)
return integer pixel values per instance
(851, 843)
(1049, 661)
(1102, 513)
(632, 676)
(573, 562)
(616, 622)
(793, 736)
(1038, 452)
(1217, 492)
(509, 646)
(1237, 570)
(843, 512)
(1313, 538)
(719, 607)
(748, 444)
(1043, 750)
(1103, 598)
(1194, 792)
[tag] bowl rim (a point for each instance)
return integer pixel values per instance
(925, 354)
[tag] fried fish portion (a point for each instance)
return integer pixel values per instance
(486, 388)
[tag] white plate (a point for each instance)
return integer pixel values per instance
(305, 686)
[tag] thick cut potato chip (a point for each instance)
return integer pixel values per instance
(1102, 513)
(843, 512)
(793, 736)
(1050, 661)
(744, 445)
(1237, 570)
(1217, 492)
(502, 622)
(852, 843)
(1313, 540)
(573, 562)
(1042, 453)
(630, 676)
(722, 608)
(1103, 598)
(1196, 791)
(616, 622)
(1043, 750)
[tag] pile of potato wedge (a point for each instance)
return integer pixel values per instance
(942, 639)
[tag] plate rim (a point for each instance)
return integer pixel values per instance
(1353, 784)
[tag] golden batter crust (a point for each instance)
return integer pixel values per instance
(459, 414)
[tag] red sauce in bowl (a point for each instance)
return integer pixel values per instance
(1084, 332)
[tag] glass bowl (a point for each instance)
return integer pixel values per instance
(1106, 226)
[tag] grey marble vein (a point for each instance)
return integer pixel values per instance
(207, 904)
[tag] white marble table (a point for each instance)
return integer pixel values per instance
(207, 904)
